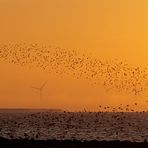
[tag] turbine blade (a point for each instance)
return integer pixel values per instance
(35, 88)
(44, 84)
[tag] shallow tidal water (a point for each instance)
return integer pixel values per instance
(60, 125)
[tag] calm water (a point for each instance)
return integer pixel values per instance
(47, 124)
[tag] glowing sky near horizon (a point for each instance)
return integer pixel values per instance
(104, 29)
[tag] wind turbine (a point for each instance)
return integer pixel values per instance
(40, 89)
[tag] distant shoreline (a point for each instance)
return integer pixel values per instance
(61, 110)
(23, 143)
(28, 110)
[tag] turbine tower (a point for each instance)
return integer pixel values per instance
(40, 89)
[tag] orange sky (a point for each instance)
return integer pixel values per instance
(105, 28)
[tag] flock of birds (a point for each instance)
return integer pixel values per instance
(122, 122)
(113, 74)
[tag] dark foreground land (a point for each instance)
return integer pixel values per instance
(25, 143)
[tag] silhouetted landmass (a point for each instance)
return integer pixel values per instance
(26, 143)
(25, 110)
